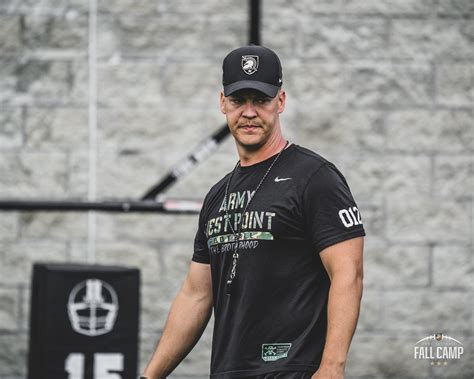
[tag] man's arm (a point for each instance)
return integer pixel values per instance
(186, 322)
(343, 263)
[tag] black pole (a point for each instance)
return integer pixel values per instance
(254, 33)
(167, 206)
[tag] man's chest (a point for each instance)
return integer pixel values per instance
(252, 216)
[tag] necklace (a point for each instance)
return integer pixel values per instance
(236, 233)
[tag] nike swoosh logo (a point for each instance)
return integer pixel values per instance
(278, 179)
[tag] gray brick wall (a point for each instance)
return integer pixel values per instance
(384, 89)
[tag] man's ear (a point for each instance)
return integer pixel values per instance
(281, 100)
(222, 102)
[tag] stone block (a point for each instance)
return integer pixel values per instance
(302, 8)
(9, 226)
(439, 39)
(79, 83)
(9, 309)
(10, 41)
(453, 267)
(196, 82)
(77, 183)
(370, 315)
(143, 255)
(427, 310)
(389, 85)
(407, 176)
(453, 177)
(32, 6)
(13, 355)
(26, 174)
(430, 132)
(455, 84)
(384, 355)
(18, 258)
(283, 37)
(351, 38)
(171, 40)
(316, 85)
(161, 36)
(387, 7)
(128, 83)
(11, 135)
(455, 40)
(156, 129)
(57, 226)
(8, 80)
(456, 8)
(226, 32)
(145, 7)
(413, 39)
(79, 6)
(41, 81)
(346, 132)
(427, 220)
(56, 128)
(108, 37)
(366, 177)
(396, 266)
(68, 31)
(223, 8)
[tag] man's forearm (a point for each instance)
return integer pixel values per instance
(343, 311)
(186, 322)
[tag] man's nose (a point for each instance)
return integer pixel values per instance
(249, 110)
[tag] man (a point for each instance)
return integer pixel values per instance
(278, 251)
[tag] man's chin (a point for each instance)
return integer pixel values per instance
(251, 145)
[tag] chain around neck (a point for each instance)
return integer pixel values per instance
(236, 233)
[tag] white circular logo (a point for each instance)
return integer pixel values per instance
(92, 307)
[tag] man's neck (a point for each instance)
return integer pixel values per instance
(249, 157)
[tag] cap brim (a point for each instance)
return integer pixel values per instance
(267, 89)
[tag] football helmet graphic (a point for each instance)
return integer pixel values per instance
(92, 307)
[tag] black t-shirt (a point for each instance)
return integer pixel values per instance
(275, 318)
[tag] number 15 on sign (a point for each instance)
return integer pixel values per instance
(106, 365)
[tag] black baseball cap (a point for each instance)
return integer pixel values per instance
(254, 67)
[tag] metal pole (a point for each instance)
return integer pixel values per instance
(254, 32)
(170, 206)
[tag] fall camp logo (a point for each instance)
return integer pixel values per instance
(438, 349)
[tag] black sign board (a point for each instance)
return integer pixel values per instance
(83, 322)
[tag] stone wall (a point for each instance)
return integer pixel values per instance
(384, 89)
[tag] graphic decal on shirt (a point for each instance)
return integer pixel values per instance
(274, 351)
(256, 225)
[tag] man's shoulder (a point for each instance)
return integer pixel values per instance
(310, 155)
(309, 161)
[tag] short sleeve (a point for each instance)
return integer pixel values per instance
(331, 214)
(201, 251)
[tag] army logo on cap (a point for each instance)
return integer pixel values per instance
(250, 64)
